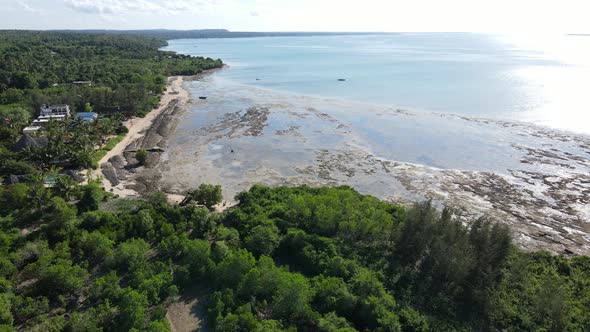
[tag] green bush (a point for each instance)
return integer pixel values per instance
(207, 195)
(282, 260)
(141, 155)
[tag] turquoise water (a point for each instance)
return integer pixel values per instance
(543, 81)
(451, 118)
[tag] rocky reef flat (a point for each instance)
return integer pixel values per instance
(535, 179)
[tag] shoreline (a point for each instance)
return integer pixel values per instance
(137, 127)
(535, 180)
(149, 132)
(505, 121)
(244, 130)
(175, 97)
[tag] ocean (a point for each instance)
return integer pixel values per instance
(541, 80)
(489, 125)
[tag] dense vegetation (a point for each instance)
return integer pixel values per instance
(128, 72)
(74, 258)
(325, 259)
(127, 75)
(220, 33)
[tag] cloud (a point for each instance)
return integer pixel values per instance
(94, 7)
(123, 6)
(24, 5)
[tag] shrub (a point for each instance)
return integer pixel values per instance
(141, 156)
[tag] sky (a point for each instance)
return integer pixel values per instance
(489, 16)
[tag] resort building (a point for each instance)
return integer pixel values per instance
(42, 121)
(33, 131)
(82, 82)
(55, 110)
(47, 113)
(87, 117)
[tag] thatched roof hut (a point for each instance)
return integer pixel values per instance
(29, 142)
(14, 179)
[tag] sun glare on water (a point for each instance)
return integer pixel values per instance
(557, 94)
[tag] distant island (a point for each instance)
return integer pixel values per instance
(214, 33)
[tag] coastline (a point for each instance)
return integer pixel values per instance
(250, 136)
(535, 181)
(137, 127)
(114, 168)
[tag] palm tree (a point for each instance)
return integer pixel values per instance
(38, 194)
(66, 187)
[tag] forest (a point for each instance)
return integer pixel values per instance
(127, 73)
(73, 258)
(219, 33)
(116, 76)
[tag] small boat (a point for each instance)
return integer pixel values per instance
(202, 97)
(258, 79)
(342, 79)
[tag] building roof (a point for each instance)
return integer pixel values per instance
(74, 175)
(14, 179)
(28, 142)
(51, 116)
(44, 119)
(32, 128)
(87, 115)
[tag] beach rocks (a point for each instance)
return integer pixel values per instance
(250, 122)
(118, 161)
(154, 140)
(110, 173)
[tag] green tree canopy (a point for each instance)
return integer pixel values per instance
(207, 195)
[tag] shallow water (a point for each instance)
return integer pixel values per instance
(220, 140)
(543, 81)
(499, 164)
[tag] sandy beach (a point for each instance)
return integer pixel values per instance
(118, 170)
(174, 96)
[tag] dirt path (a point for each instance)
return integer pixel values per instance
(187, 313)
(182, 316)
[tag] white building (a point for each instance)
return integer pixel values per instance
(55, 110)
(33, 131)
(44, 119)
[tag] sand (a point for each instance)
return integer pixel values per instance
(137, 127)
(147, 132)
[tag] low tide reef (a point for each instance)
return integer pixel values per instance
(538, 182)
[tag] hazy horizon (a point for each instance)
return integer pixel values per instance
(283, 31)
(503, 16)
